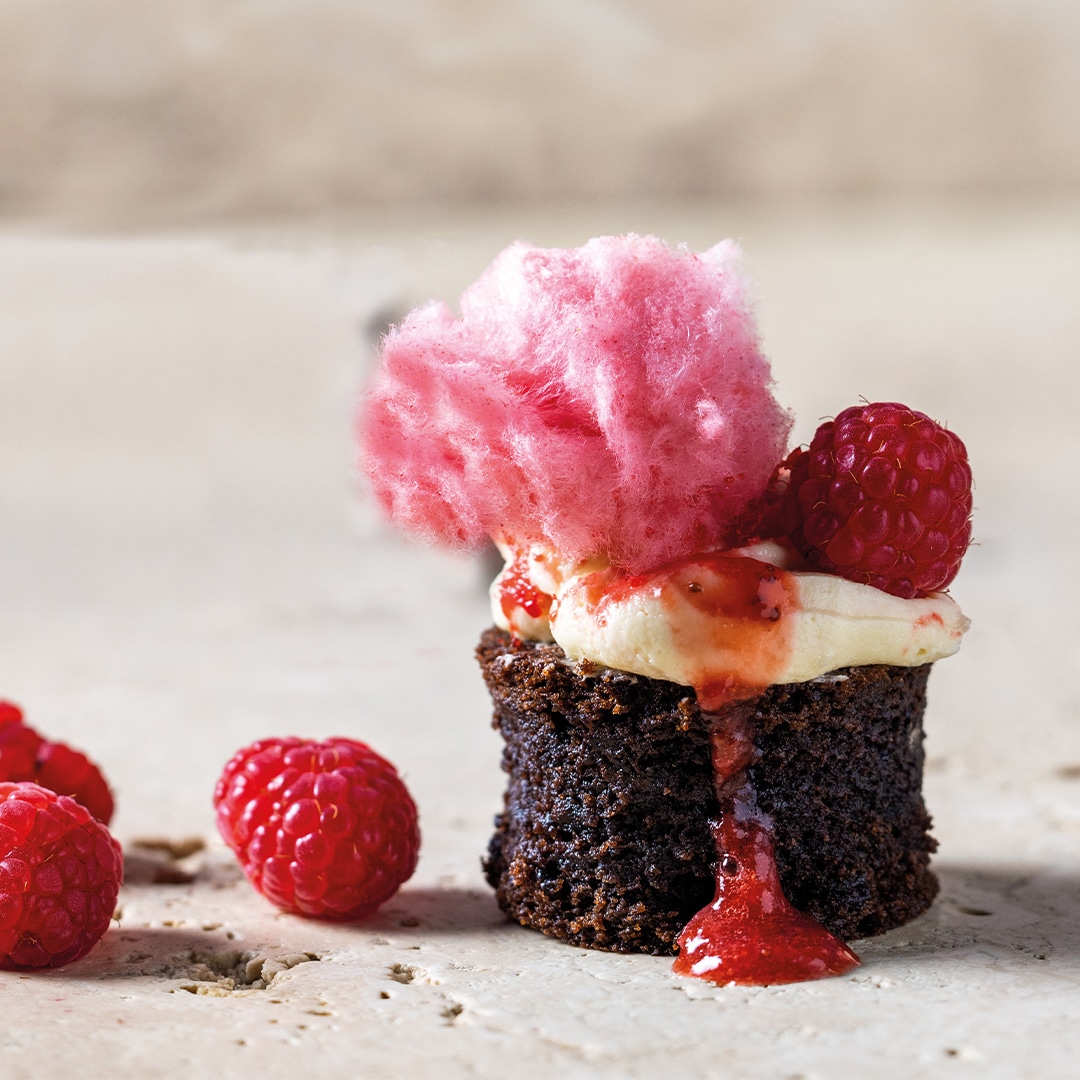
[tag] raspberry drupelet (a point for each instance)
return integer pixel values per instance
(324, 829)
(60, 874)
(883, 497)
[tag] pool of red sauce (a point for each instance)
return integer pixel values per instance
(749, 934)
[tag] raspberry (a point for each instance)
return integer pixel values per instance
(325, 829)
(60, 873)
(883, 497)
(26, 755)
(19, 744)
(69, 772)
(761, 520)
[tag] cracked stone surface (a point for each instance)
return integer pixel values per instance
(187, 567)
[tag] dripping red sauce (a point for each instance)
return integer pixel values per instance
(726, 616)
(750, 934)
(517, 592)
(727, 620)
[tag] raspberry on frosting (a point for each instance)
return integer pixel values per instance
(610, 399)
(882, 496)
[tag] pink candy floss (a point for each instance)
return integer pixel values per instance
(610, 399)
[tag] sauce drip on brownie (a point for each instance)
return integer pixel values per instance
(750, 934)
(728, 617)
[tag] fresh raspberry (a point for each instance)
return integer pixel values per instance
(762, 519)
(325, 829)
(27, 755)
(69, 772)
(19, 744)
(60, 873)
(883, 497)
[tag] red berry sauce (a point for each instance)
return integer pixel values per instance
(750, 934)
(726, 615)
(517, 592)
(729, 616)
(745, 601)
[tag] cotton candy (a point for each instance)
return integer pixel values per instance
(605, 400)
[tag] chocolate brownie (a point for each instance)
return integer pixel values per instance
(606, 836)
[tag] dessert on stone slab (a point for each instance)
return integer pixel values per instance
(710, 655)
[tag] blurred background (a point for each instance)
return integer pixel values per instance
(210, 210)
(117, 114)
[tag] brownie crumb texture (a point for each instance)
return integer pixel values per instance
(606, 841)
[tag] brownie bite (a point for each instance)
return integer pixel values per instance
(606, 839)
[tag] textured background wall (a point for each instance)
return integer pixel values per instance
(120, 111)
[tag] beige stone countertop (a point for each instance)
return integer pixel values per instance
(187, 567)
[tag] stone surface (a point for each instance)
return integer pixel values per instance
(187, 567)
